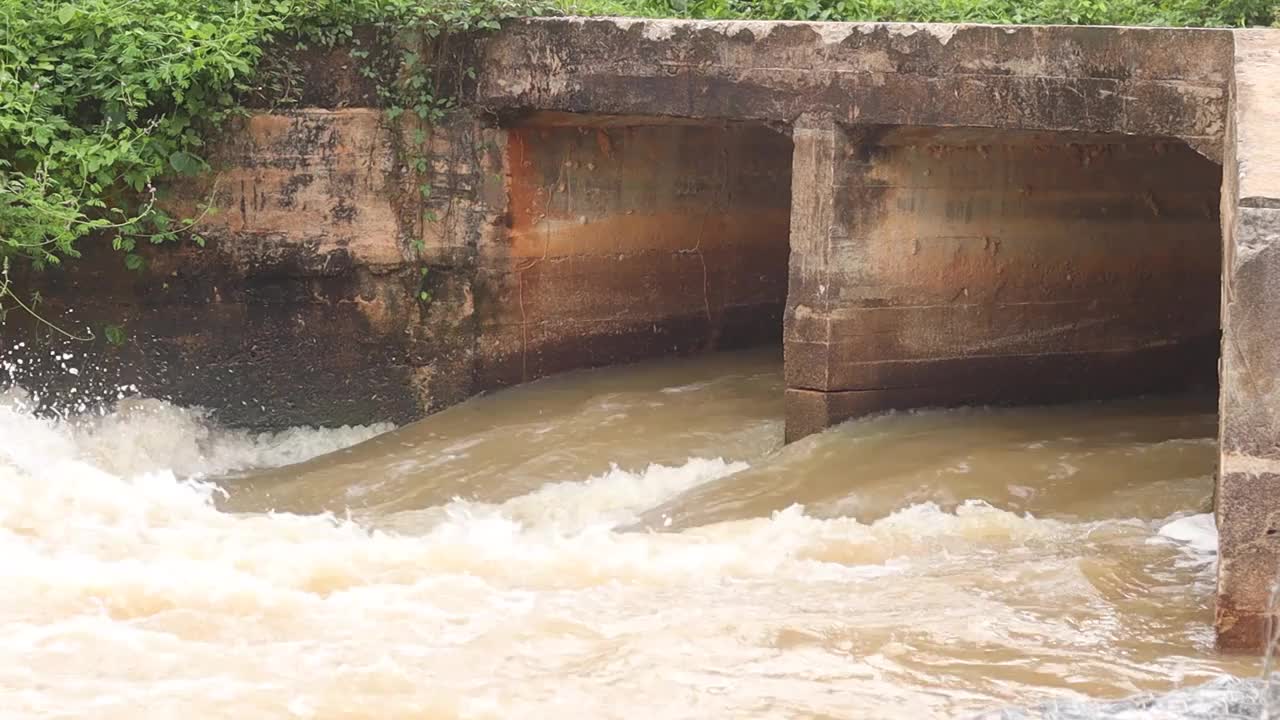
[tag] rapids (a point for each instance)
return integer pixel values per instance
(625, 543)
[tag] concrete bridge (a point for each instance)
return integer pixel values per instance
(925, 215)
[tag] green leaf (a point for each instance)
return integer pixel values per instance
(185, 163)
(114, 334)
(66, 13)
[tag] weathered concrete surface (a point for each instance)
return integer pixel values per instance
(619, 190)
(1248, 497)
(557, 243)
(942, 267)
(632, 238)
(303, 308)
(1137, 81)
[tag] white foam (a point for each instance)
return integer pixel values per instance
(139, 436)
(1198, 533)
(606, 501)
(614, 498)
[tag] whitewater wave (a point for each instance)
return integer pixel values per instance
(120, 496)
(1197, 533)
(139, 435)
(125, 588)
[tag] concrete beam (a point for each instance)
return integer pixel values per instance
(1134, 81)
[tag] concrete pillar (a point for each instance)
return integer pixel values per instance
(1248, 493)
(817, 140)
(946, 266)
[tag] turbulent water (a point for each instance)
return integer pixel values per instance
(629, 543)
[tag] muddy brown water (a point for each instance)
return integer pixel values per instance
(633, 542)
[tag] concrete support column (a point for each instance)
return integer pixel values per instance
(1248, 494)
(830, 279)
(817, 140)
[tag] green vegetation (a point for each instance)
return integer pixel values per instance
(98, 98)
(1189, 13)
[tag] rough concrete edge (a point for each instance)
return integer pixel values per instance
(828, 35)
(1226, 635)
(1241, 629)
(1255, 82)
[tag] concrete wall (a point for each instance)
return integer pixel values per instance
(951, 266)
(631, 238)
(555, 243)
(620, 189)
(302, 308)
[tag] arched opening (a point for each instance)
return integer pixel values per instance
(633, 237)
(948, 266)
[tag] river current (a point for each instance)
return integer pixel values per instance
(625, 543)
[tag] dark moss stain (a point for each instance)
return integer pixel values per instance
(343, 211)
(288, 194)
